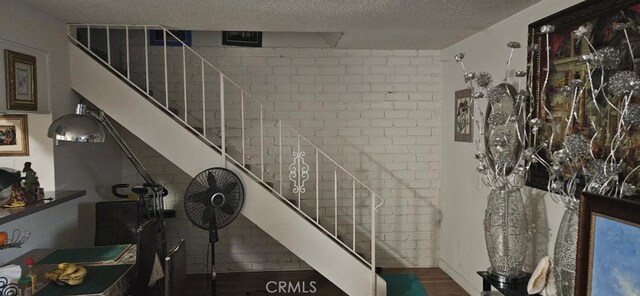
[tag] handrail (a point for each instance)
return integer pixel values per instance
(223, 79)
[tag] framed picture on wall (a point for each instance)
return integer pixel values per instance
(14, 137)
(156, 38)
(565, 65)
(242, 38)
(22, 82)
(608, 261)
(463, 112)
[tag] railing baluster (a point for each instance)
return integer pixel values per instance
(335, 199)
(280, 152)
(146, 57)
(108, 46)
(373, 243)
(242, 123)
(299, 174)
(317, 188)
(223, 135)
(126, 28)
(353, 213)
(184, 80)
(204, 108)
(89, 37)
(261, 145)
(166, 73)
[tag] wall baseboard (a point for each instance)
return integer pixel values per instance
(456, 276)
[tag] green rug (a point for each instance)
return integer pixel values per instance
(403, 285)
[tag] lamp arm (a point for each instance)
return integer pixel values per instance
(100, 116)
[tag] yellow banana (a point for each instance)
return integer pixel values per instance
(71, 268)
(63, 266)
(74, 282)
(81, 272)
(51, 276)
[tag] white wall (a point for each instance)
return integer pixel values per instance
(462, 246)
(64, 167)
(374, 111)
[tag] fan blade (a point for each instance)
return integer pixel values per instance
(202, 198)
(213, 183)
(208, 216)
(230, 187)
(227, 209)
(213, 224)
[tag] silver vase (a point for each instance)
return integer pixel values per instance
(564, 254)
(506, 232)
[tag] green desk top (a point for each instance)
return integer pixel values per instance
(94, 255)
(98, 280)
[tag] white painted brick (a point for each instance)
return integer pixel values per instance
(375, 111)
(379, 87)
(351, 61)
(313, 88)
(358, 69)
(381, 69)
(278, 61)
(358, 87)
(303, 61)
(301, 79)
(327, 79)
(373, 78)
(278, 79)
(285, 70)
(405, 87)
(334, 88)
(249, 60)
(350, 79)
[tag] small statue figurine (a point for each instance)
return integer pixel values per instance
(31, 183)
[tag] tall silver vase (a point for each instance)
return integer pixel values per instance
(564, 254)
(505, 232)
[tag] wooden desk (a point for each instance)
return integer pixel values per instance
(119, 286)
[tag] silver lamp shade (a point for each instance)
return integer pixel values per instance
(78, 127)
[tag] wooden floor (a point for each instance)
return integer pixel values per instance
(434, 280)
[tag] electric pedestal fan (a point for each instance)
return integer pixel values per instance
(212, 200)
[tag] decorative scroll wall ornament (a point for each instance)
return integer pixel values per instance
(298, 172)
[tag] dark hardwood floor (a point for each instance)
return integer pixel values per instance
(434, 280)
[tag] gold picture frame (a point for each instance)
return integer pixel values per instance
(22, 82)
(14, 136)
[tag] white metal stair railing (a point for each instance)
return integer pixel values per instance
(298, 168)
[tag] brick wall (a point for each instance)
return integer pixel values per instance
(376, 112)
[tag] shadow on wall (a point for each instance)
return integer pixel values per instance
(409, 222)
(540, 233)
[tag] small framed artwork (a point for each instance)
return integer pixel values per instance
(14, 138)
(242, 38)
(463, 120)
(156, 38)
(22, 82)
(608, 261)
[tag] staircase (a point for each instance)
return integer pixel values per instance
(323, 214)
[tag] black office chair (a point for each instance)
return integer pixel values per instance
(116, 223)
(175, 270)
(147, 244)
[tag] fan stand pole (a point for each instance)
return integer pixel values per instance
(213, 238)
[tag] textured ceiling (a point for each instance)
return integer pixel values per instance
(375, 24)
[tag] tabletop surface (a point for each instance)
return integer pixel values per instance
(114, 276)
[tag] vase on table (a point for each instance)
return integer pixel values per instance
(506, 232)
(564, 254)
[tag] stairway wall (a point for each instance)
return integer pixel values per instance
(375, 111)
